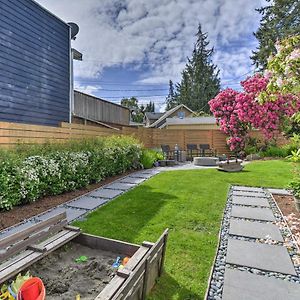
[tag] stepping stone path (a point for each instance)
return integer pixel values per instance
(78, 208)
(253, 262)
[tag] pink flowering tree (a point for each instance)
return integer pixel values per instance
(225, 108)
(238, 112)
(269, 116)
(268, 101)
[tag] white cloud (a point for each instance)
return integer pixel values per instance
(160, 33)
(87, 89)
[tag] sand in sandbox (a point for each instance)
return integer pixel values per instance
(64, 278)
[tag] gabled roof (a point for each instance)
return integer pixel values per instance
(168, 113)
(153, 116)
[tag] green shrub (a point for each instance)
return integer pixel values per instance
(295, 156)
(149, 157)
(252, 145)
(295, 184)
(28, 173)
(293, 145)
(274, 151)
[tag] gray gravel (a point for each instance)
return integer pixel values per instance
(215, 288)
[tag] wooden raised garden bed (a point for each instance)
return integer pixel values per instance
(49, 250)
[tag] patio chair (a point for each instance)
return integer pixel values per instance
(205, 149)
(167, 152)
(192, 150)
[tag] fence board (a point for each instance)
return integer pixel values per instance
(16, 133)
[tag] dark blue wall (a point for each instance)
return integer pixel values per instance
(34, 64)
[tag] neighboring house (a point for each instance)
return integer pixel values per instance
(36, 65)
(151, 117)
(199, 123)
(180, 112)
(89, 109)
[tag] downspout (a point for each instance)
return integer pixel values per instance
(71, 91)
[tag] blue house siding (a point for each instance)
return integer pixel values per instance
(34, 64)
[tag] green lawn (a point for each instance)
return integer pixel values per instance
(191, 204)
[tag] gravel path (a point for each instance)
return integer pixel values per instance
(257, 258)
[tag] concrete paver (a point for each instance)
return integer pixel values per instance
(241, 285)
(254, 213)
(120, 186)
(272, 258)
(132, 180)
(249, 194)
(247, 188)
(255, 201)
(282, 192)
(255, 230)
(105, 193)
(87, 202)
(72, 213)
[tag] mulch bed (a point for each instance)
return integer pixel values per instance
(20, 213)
(289, 211)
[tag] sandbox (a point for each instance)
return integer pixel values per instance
(52, 250)
(65, 278)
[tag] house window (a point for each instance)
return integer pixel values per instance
(181, 114)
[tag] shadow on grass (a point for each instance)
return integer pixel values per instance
(168, 288)
(127, 215)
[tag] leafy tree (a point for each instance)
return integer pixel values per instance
(137, 114)
(137, 111)
(280, 19)
(171, 100)
(200, 79)
(131, 103)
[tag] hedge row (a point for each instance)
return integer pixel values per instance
(28, 175)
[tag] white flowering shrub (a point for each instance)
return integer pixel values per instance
(26, 179)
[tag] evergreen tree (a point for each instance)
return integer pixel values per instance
(280, 19)
(150, 107)
(200, 79)
(171, 98)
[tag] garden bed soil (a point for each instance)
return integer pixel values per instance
(287, 207)
(23, 212)
(64, 278)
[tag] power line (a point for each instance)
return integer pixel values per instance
(231, 80)
(121, 90)
(146, 84)
(136, 96)
(119, 83)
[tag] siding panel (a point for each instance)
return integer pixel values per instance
(34, 64)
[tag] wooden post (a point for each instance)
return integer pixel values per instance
(163, 253)
(146, 275)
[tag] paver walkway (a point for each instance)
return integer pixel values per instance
(81, 206)
(254, 268)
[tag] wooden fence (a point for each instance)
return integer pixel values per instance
(93, 108)
(14, 133)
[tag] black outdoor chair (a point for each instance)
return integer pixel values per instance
(192, 150)
(167, 152)
(206, 150)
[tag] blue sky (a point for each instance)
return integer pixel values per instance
(133, 47)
